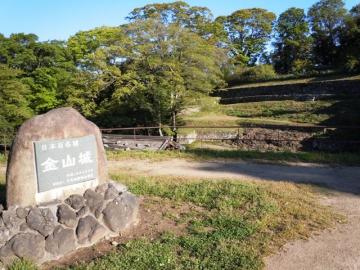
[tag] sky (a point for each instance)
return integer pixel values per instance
(60, 19)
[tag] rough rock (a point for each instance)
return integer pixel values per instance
(121, 212)
(41, 220)
(56, 124)
(51, 230)
(61, 241)
(82, 212)
(111, 193)
(119, 187)
(25, 245)
(98, 211)
(24, 227)
(75, 201)
(5, 235)
(66, 216)
(89, 229)
(93, 200)
(11, 219)
(22, 212)
(102, 188)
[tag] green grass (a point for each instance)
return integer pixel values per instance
(3, 158)
(197, 153)
(22, 265)
(286, 80)
(286, 110)
(232, 224)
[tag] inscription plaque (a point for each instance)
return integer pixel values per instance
(65, 162)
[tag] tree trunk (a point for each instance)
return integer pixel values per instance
(174, 126)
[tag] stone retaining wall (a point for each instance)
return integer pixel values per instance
(278, 139)
(47, 232)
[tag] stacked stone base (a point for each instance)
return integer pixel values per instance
(48, 232)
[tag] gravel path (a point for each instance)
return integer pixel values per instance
(329, 250)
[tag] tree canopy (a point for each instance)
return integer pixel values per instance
(146, 71)
(292, 46)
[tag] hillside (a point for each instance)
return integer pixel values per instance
(286, 108)
(286, 122)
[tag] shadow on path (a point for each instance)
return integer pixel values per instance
(343, 179)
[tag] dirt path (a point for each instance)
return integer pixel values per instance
(330, 250)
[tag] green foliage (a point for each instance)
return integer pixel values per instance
(350, 38)
(14, 100)
(147, 71)
(253, 74)
(169, 65)
(248, 31)
(22, 265)
(327, 19)
(198, 20)
(293, 43)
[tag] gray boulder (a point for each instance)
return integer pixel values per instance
(93, 200)
(102, 188)
(82, 212)
(25, 245)
(22, 212)
(61, 241)
(62, 123)
(66, 216)
(119, 187)
(75, 201)
(89, 230)
(111, 193)
(121, 212)
(11, 219)
(41, 220)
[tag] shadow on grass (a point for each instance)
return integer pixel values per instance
(350, 159)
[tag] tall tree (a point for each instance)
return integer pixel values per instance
(248, 31)
(292, 41)
(327, 19)
(14, 100)
(47, 67)
(350, 40)
(197, 19)
(169, 64)
(99, 55)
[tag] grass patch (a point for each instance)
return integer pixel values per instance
(286, 110)
(285, 80)
(234, 225)
(198, 153)
(22, 265)
(3, 158)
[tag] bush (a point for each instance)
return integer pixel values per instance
(302, 67)
(253, 74)
(352, 65)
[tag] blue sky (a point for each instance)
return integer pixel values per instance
(59, 19)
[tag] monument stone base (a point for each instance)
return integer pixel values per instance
(49, 231)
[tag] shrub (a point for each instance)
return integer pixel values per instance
(253, 74)
(352, 65)
(302, 67)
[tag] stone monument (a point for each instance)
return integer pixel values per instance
(58, 194)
